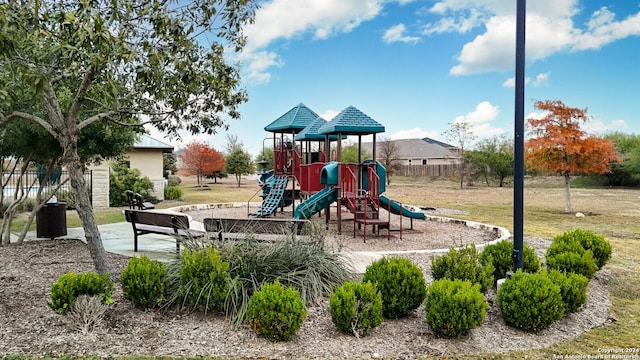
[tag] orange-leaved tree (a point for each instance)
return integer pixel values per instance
(559, 145)
(201, 160)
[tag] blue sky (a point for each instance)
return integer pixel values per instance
(416, 66)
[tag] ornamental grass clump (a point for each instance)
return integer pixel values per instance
(530, 302)
(400, 283)
(500, 255)
(356, 308)
(276, 312)
(69, 286)
(464, 264)
(143, 282)
(453, 307)
(573, 289)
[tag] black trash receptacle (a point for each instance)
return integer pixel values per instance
(51, 220)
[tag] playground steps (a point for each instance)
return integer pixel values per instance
(362, 208)
(274, 198)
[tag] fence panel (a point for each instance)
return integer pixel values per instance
(446, 170)
(35, 179)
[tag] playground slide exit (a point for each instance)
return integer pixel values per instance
(396, 208)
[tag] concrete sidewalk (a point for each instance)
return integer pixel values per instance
(117, 238)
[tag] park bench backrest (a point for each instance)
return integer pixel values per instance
(158, 219)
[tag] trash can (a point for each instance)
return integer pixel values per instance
(51, 220)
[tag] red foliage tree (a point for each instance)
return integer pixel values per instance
(558, 145)
(201, 160)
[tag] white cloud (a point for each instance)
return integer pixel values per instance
(597, 126)
(329, 114)
(480, 120)
(414, 134)
(549, 29)
(541, 79)
(396, 34)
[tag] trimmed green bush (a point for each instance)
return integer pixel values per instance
(453, 307)
(588, 240)
(172, 193)
(173, 180)
(464, 264)
(204, 278)
(143, 282)
(401, 284)
(276, 313)
(573, 262)
(70, 285)
(500, 256)
(356, 308)
(573, 289)
(530, 302)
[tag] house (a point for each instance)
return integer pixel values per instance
(147, 155)
(425, 151)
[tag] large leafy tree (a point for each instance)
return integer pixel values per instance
(493, 159)
(84, 62)
(559, 145)
(201, 160)
(627, 172)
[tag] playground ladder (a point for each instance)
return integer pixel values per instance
(272, 200)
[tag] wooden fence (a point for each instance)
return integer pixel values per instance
(447, 170)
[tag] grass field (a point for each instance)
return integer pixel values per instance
(613, 213)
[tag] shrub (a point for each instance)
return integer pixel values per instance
(68, 197)
(69, 286)
(356, 308)
(453, 307)
(573, 289)
(464, 264)
(204, 278)
(401, 284)
(276, 312)
(173, 180)
(172, 193)
(530, 302)
(588, 240)
(583, 264)
(143, 281)
(500, 256)
(121, 179)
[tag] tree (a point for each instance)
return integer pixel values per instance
(493, 159)
(350, 154)
(559, 145)
(239, 163)
(265, 154)
(389, 153)
(627, 172)
(83, 62)
(461, 133)
(169, 164)
(201, 160)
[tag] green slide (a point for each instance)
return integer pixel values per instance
(315, 203)
(397, 209)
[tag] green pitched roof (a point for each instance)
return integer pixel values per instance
(293, 120)
(311, 132)
(351, 121)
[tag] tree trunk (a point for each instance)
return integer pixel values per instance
(85, 210)
(567, 193)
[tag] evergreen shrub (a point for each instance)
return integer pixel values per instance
(204, 278)
(464, 264)
(530, 302)
(144, 281)
(573, 288)
(453, 307)
(500, 256)
(574, 262)
(400, 283)
(356, 308)
(588, 240)
(172, 193)
(276, 312)
(69, 286)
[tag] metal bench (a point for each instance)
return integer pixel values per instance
(163, 223)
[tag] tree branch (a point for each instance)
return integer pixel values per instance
(26, 116)
(82, 92)
(95, 118)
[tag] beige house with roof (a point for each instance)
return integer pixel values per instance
(425, 151)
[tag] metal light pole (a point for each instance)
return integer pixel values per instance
(518, 165)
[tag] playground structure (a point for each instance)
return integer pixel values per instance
(303, 170)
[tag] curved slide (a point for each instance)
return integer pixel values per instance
(315, 203)
(398, 209)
